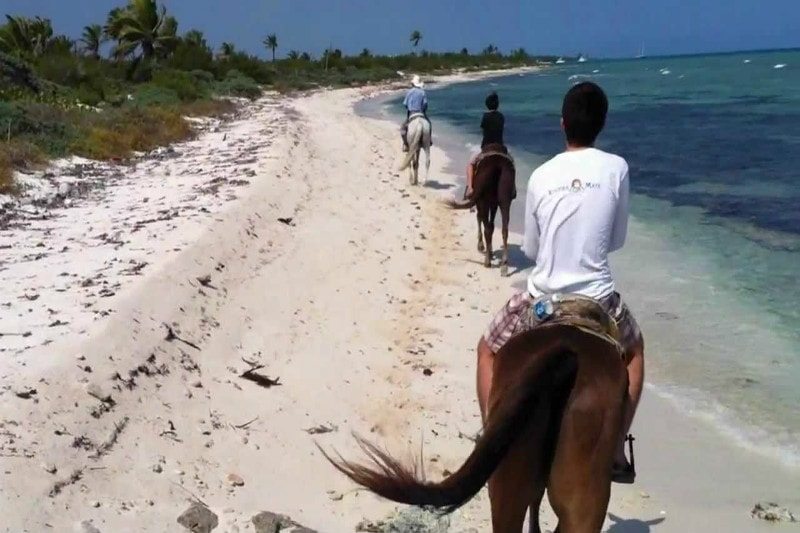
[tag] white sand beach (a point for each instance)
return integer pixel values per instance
(283, 240)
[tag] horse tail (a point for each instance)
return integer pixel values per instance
(453, 203)
(549, 367)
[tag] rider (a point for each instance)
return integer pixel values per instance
(415, 102)
(576, 213)
(492, 125)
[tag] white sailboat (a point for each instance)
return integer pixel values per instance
(560, 61)
(641, 54)
(582, 58)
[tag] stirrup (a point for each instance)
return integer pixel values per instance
(625, 474)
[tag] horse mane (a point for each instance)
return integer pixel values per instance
(549, 364)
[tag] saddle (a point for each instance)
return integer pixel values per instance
(579, 311)
(491, 150)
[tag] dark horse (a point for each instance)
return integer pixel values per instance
(555, 416)
(493, 187)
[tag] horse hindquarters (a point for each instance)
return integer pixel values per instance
(579, 486)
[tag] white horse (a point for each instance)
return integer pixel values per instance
(419, 138)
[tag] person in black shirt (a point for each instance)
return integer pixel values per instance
(492, 125)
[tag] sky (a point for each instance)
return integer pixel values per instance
(597, 28)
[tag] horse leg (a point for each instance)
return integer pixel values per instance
(491, 217)
(427, 161)
(519, 481)
(533, 516)
(505, 214)
(579, 486)
(488, 231)
(481, 247)
(412, 171)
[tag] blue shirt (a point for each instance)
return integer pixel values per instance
(416, 101)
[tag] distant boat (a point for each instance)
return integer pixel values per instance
(779, 66)
(560, 61)
(581, 58)
(641, 53)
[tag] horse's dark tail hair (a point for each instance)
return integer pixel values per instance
(548, 368)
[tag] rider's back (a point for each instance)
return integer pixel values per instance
(416, 101)
(576, 214)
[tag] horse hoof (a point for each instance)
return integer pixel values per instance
(481, 247)
(487, 263)
(504, 271)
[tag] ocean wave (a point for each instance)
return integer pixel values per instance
(778, 444)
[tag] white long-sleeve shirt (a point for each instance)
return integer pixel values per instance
(576, 213)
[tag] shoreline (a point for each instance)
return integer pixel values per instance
(659, 404)
(364, 302)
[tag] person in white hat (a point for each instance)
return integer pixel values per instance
(415, 102)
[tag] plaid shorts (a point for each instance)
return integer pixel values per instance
(510, 321)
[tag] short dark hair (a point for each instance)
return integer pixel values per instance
(584, 112)
(492, 101)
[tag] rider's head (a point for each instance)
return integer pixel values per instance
(583, 113)
(492, 101)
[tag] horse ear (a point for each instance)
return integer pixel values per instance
(655, 521)
(614, 518)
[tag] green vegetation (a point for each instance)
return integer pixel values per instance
(126, 85)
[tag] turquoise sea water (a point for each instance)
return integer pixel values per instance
(712, 265)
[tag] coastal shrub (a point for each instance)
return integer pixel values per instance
(238, 84)
(16, 155)
(43, 125)
(217, 108)
(149, 94)
(250, 66)
(117, 134)
(203, 76)
(189, 56)
(182, 83)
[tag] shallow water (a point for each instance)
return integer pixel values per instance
(712, 266)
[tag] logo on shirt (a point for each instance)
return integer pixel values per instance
(575, 187)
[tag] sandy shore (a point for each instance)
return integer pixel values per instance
(358, 294)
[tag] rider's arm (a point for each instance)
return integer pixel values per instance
(620, 228)
(425, 103)
(530, 241)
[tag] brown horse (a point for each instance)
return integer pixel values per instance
(493, 187)
(554, 420)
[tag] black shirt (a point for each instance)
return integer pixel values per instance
(492, 126)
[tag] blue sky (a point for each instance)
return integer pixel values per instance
(594, 27)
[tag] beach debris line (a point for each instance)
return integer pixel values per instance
(73, 478)
(259, 379)
(289, 221)
(321, 429)
(172, 336)
(772, 512)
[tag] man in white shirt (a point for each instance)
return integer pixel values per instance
(576, 213)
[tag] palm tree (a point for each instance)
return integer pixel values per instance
(195, 38)
(490, 50)
(142, 27)
(416, 37)
(26, 36)
(365, 53)
(92, 39)
(271, 42)
(293, 55)
(464, 52)
(227, 50)
(305, 56)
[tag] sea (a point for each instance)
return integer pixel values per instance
(712, 264)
